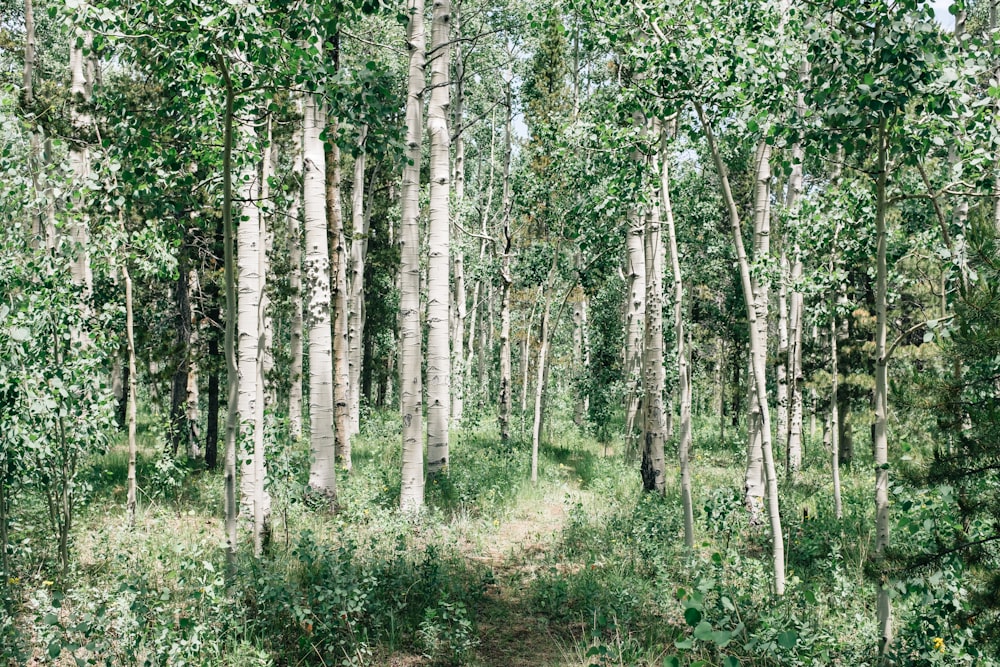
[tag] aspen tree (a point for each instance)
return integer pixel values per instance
(757, 355)
(506, 280)
(438, 320)
(338, 285)
(356, 282)
(293, 219)
(458, 308)
(412, 486)
(316, 276)
(79, 159)
(131, 499)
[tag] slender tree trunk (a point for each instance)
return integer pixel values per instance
(543, 352)
(316, 278)
(232, 370)
(458, 310)
(79, 159)
(881, 391)
(781, 360)
(794, 358)
(356, 282)
(261, 498)
(130, 503)
(439, 243)
(412, 488)
(193, 398)
(838, 506)
(758, 356)
(338, 285)
(635, 313)
(249, 283)
(653, 466)
(179, 429)
(683, 360)
(215, 365)
(294, 220)
(38, 231)
(506, 280)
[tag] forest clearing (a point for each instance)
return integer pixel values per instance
(499, 332)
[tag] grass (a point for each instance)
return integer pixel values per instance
(580, 569)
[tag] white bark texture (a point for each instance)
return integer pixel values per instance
(79, 159)
(458, 307)
(338, 285)
(412, 486)
(757, 355)
(316, 278)
(294, 220)
(356, 283)
(506, 281)
(635, 314)
(130, 503)
(654, 377)
(438, 270)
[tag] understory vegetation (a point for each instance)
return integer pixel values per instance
(582, 569)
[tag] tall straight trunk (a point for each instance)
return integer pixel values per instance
(293, 219)
(192, 395)
(526, 365)
(881, 389)
(794, 359)
(38, 230)
(635, 273)
(249, 284)
(338, 286)
(130, 503)
(356, 282)
(757, 354)
(683, 359)
(506, 280)
(232, 370)
(439, 243)
(316, 278)
(412, 486)
(579, 322)
(478, 288)
(261, 499)
(458, 309)
(653, 466)
(838, 506)
(79, 159)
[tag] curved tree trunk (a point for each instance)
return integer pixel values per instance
(757, 338)
(439, 242)
(412, 487)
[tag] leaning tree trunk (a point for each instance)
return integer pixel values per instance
(757, 338)
(338, 284)
(439, 242)
(412, 485)
(356, 282)
(683, 359)
(316, 276)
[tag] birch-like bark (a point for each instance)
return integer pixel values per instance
(794, 362)
(635, 312)
(881, 390)
(543, 353)
(781, 360)
(293, 219)
(439, 242)
(192, 397)
(261, 497)
(458, 308)
(838, 506)
(316, 278)
(79, 159)
(412, 486)
(338, 286)
(506, 281)
(249, 282)
(683, 359)
(130, 503)
(356, 282)
(653, 467)
(179, 426)
(757, 355)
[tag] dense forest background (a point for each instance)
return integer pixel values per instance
(499, 333)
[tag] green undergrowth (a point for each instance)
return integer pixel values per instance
(581, 569)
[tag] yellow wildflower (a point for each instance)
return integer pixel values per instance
(938, 644)
(47, 583)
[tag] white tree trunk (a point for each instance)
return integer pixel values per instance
(635, 313)
(683, 359)
(781, 360)
(79, 159)
(757, 337)
(294, 221)
(130, 503)
(439, 242)
(338, 286)
(316, 276)
(412, 487)
(458, 308)
(356, 282)
(654, 377)
(249, 282)
(506, 281)
(543, 353)
(795, 410)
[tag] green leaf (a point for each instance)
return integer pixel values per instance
(721, 638)
(671, 661)
(788, 639)
(692, 616)
(730, 661)
(703, 631)
(55, 648)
